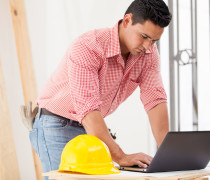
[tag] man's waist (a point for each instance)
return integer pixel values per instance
(44, 111)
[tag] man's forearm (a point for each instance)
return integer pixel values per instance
(94, 124)
(159, 121)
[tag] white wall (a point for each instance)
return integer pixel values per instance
(52, 26)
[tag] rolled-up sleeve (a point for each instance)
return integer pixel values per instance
(83, 81)
(151, 86)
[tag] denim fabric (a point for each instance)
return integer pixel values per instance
(49, 136)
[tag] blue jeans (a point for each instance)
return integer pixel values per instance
(49, 136)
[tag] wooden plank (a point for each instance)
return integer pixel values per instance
(55, 175)
(8, 158)
(139, 178)
(23, 47)
(25, 62)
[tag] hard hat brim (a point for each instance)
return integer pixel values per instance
(93, 171)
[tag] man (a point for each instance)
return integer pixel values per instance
(98, 72)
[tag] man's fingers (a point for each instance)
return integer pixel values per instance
(139, 159)
(150, 158)
(144, 160)
(147, 161)
(140, 164)
(146, 156)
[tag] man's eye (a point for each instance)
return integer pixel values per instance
(144, 37)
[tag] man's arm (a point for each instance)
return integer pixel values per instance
(94, 124)
(159, 122)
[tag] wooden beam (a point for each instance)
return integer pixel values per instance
(8, 159)
(25, 62)
(23, 47)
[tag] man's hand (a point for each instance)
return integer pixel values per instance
(94, 124)
(27, 115)
(140, 159)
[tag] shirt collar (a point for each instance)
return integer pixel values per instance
(114, 45)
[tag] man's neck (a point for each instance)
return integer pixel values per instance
(124, 51)
(125, 57)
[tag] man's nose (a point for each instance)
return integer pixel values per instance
(146, 44)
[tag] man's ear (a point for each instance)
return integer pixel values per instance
(127, 20)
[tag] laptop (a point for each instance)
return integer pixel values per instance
(189, 150)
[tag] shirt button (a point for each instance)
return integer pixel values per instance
(111, 110)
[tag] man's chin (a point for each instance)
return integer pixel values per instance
(136, 53)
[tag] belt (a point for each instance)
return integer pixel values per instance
(46, 112)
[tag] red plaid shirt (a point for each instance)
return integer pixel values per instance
(93, 76)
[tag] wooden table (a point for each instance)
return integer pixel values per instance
(178, 175)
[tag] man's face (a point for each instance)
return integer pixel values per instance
(140, 37)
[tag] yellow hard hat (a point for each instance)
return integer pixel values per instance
(87, 154)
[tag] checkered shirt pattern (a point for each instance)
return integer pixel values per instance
(93, 76)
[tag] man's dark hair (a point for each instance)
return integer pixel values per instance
(154, 10)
